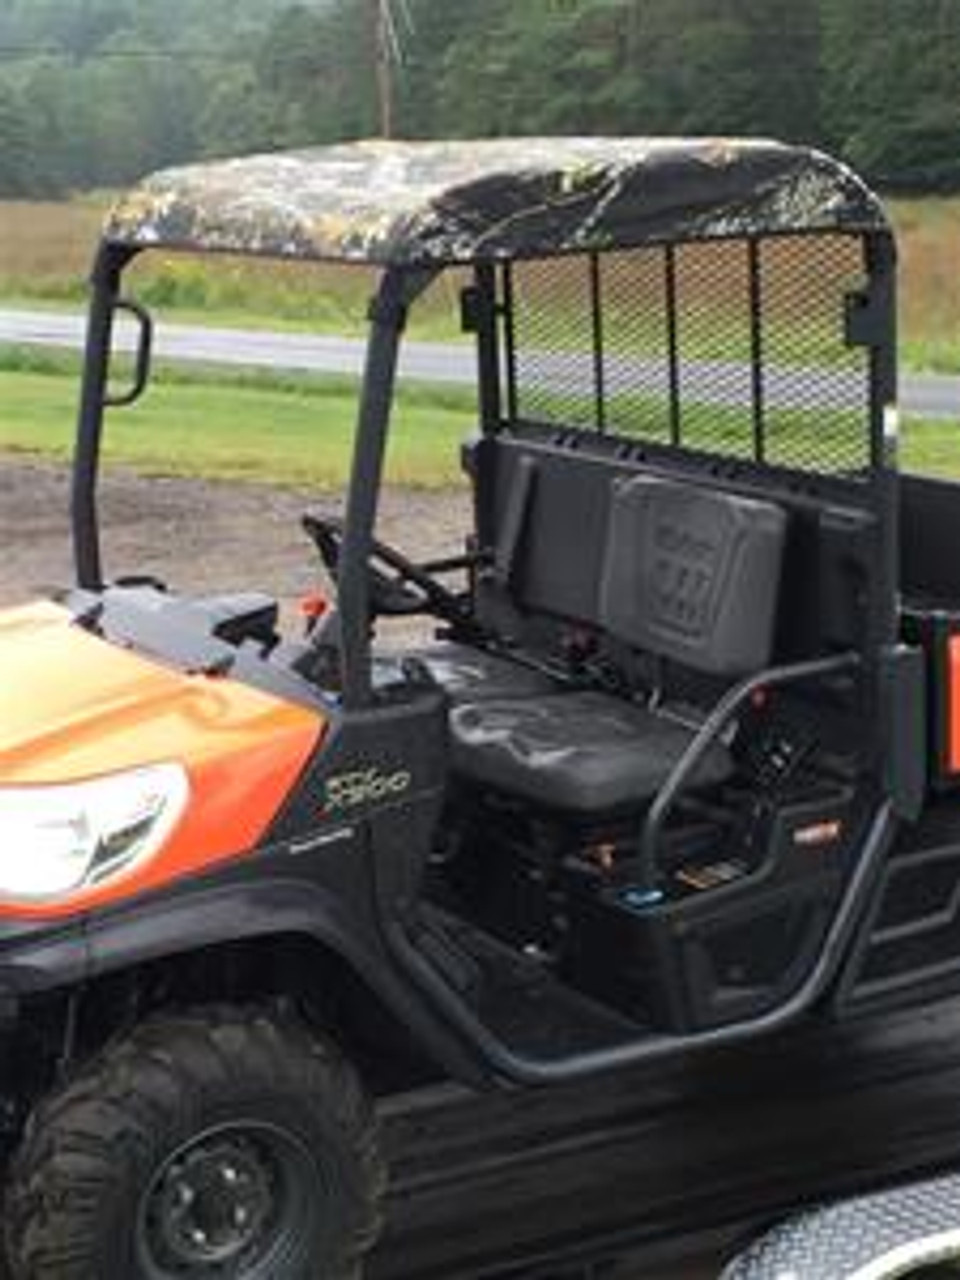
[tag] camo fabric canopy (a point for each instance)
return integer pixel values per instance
(443, 203)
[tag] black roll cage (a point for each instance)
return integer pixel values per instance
(387, 315)
(870, 322)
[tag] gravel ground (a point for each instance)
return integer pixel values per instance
(200, 535)
(195, 534)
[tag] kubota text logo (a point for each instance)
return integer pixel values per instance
(365, 786)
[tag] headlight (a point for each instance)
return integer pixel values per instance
(57, 839)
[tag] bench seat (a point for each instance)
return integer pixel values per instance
(587, 753)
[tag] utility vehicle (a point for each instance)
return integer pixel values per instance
(679, 769)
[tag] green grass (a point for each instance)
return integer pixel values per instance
(291, 429)
(46, 249)
(792, 437)
(928, 232)
(265, 429)
(932, 448)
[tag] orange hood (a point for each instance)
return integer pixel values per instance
(73, 706)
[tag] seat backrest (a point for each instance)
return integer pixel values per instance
(545, 514)
(693, 574)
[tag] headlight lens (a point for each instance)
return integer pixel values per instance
(56, 840)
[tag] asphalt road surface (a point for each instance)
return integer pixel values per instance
(724, 383)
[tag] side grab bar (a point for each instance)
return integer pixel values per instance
(144, 355)
(718, 719)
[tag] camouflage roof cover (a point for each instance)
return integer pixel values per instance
(442, 203)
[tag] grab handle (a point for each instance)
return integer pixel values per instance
(144, 356)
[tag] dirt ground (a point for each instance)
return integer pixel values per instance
(196, 535)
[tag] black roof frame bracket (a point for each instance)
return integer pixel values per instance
(95, 397)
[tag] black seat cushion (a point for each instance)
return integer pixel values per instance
(584, 752)
(470, 674)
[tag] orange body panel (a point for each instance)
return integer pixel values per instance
(73, 707)
(954, 686)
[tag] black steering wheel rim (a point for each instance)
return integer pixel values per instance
(410, 590)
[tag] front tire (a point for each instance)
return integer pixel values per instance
(225, 1144)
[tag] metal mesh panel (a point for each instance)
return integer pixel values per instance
(637, 389)
(735, 348)
(815, 387)
(715, 351)
(554, 342)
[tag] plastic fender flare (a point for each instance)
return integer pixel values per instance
(38, 960)
(217, 916)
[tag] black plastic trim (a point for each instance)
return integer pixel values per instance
(155, 929)
(176, 633)
(524, 1070)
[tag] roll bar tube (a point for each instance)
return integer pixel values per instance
(521, 1068)
(709, 732)
(142, 360)
(105, 283)
(399, 289)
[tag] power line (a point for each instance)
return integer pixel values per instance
(394, 26)
(21, 53)
(384, 37)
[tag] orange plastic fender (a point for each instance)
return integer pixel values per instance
(74, 707)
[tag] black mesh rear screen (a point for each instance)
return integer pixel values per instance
(730, 347)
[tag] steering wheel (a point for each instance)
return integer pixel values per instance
(398, 587)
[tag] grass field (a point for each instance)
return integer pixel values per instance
(45, 252)
(288, 429)
(929, 235)
(263, 428)
(45, 257)
(299, 430)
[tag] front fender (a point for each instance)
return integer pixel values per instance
(220, 915)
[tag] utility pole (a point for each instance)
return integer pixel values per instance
(384, 46)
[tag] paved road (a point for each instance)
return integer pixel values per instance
(428, 361)
(714, 382)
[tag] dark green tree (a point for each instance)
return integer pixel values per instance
(891, 88)
(18, 176)
(105, 89)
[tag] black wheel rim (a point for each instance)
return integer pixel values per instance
(239, 1202)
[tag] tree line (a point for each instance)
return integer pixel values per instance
(95, 92)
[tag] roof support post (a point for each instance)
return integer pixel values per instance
(881, 253)
(399, 289)
(487, 327)
(105, 282)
